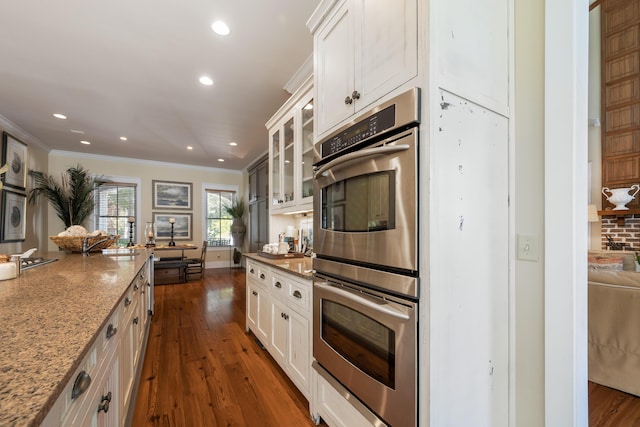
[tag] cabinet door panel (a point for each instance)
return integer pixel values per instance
(299, 359)
(334, 72)
(386, 48)
(279, 326)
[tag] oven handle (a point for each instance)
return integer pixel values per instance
(387, 149)
(348, 295)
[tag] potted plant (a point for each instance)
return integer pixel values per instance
(71, 197)
(238, 229)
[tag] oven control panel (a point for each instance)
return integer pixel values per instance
(365, 129)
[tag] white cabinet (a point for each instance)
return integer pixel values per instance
(291, 328)
(291, 153)
(258, 302)
(376, 47)
(288, 307)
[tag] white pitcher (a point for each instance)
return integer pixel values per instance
(620, 196)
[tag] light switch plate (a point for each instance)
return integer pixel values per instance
(527, 247)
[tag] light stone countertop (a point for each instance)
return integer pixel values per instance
(301, 267)
(50, 316)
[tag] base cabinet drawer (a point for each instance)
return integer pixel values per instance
(329, 404)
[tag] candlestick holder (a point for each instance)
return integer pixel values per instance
(172, 243)
(130, 234)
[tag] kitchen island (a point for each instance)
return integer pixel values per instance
(51, 316)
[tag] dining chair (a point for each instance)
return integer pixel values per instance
(195, 266)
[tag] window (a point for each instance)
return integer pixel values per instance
(115, 202)
(218, 220)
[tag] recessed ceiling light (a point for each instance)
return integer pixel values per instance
(233, 144)
(221, 160)
(189, 147)
(81, 132)
(59, 116)
(220, 28)
(123, 138)
(206, 80)
(85, 142)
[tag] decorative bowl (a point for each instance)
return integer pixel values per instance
(74, 243)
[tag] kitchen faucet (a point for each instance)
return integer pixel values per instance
(85, 244)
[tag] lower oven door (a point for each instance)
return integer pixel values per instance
(367, 341)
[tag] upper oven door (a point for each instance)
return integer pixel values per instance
(365, 204)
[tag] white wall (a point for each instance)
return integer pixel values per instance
(528, 200)
(146, 172)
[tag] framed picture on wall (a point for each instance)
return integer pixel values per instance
(172, 195)
(13, 216)
(181, 227)
(14, 153)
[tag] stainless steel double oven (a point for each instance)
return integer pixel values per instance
(366, 240)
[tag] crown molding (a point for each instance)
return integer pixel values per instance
(20, 134)
(62, 153)
(300, 76)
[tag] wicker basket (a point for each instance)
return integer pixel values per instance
(74, 243)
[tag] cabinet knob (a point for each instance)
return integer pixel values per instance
(262, 276)
(255, 294)
(355, 95)
(111, 330)
(81, 384)
(348, 100)
(278, 285)
(136, 320)
(127, 301)
(136, 287)
(251, 271)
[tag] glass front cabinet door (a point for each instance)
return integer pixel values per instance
(291, 155)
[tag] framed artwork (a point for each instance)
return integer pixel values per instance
(14, 153)
(13, 216)
(172, 195)
(181, 227)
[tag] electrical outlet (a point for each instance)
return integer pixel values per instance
(527, 247)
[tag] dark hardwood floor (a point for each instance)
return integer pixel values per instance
(612, 408)
(202, 369)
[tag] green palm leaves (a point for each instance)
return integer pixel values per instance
(72, 197)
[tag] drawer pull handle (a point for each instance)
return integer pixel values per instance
(262, 276)
(104, 405)
(284, 316)
(136, 287)
(255, 294)
(297, 294)
(127, 301)
(136, 320)
(81, 384)
(251, 271)
(111, 330)
(278, 285)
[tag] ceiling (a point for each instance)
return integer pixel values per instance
(131, 68)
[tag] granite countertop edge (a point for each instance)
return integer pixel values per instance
(301, 267)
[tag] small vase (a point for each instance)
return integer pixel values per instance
(620, 196)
